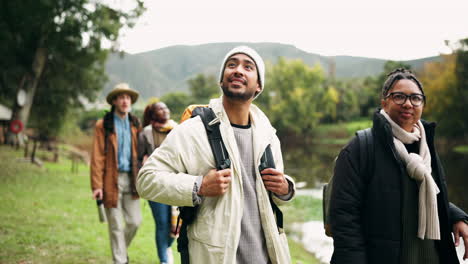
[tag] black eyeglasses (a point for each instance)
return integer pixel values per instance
(400, 98)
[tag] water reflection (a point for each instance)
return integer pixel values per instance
(312, 163)
(456, 168)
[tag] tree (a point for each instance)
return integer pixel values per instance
(176, 102)
(55, 46)
(202, 88)
(292, 97)
(461, 73)
(348, 107)
(330, 101)
(445, 84)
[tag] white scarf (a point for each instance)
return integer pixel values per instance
(419, 169)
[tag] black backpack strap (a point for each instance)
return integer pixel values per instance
(267, 161)
(366, 149)
(211, 123)
(188, 214)
(182, 242)
(108, 124)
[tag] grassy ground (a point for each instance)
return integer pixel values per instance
(303, 209)
(48, 217)
(463, 149)
(339, 133)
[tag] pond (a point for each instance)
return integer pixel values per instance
(312, 163)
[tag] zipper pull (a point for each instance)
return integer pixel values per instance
(214, 121)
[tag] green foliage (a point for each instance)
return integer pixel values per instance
(292, 96)
(461, 97)
(445, 85)
(330, 101)
(69, 34)
(88, 118)
(354, 126)
(463, 149)
(348, 106)
(202, 88)
(176, 102)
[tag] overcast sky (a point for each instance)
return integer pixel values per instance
(398, 29)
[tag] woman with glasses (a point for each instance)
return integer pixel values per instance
(391, 207)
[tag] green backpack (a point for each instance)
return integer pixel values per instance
(366, 152)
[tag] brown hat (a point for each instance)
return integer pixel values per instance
(121, 88)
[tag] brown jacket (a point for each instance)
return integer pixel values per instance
(104, 172)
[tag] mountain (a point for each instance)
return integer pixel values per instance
(157, 72)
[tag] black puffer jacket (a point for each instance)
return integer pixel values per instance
(365, 210)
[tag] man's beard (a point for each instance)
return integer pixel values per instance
(122, 112)
(237, 95)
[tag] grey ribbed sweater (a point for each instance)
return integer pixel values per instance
(252, 245)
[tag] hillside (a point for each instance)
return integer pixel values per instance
(157, 72)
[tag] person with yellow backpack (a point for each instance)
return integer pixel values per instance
(234, 199)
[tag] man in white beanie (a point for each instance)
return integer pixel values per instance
(234, 222)
(114, 169)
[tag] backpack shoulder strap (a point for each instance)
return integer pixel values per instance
(211, 123)
(187, 114)
(108, 124)
(366, 151)
(267, 161)
(134, 120)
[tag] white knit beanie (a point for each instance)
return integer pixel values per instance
(254, 56)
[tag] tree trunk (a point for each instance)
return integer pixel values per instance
(29, 84)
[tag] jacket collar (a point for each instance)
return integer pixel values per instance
(257, 117)
(261, 126)
(384, 129)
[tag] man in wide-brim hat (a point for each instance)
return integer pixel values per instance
(114, 169)
(122, 88)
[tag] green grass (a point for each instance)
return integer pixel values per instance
(47, 216)
(300, 255)
(354, 126)
(339, 133)
(463, 149)
(303, 209)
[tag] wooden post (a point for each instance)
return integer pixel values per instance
(56, 153)
(26, 149)
(33, 154)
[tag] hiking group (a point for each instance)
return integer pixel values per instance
(223, 168)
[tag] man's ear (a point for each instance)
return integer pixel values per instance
(259, 88)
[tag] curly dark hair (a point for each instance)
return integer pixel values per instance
(399, 74)
(149, 113)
